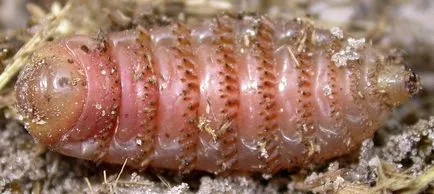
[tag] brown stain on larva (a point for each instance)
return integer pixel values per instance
(230, 94)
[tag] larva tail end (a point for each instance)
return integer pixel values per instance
(50, 93)
(398, 83)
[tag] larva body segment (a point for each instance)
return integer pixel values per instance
(231, 94)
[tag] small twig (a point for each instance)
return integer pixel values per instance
(134, 183)
(89, 185)
(164, 181)
(104, 174)
(120, 173)
(297, 64)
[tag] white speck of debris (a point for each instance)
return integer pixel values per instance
(327, 90)
(41, 122)
(208, 107)
(374, 162)
(347, 141)
(337, 32)
(348, 54)
(138, 141)
(218, 185)
(334, 166)
(356, 43)
(306, 128)
(103, 113)
(103, 72)
(98, 106)
(360, 95)
(267, 176)
(182, 188)
(263, 150)
(41, 62)
(242, 50)
(338, 183)
(312, 177)
(246, 41)
(64, 27)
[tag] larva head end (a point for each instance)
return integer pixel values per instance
(50, 93)
(398, 83)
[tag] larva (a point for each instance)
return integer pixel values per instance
(229, 94)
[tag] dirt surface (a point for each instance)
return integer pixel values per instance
(399, 158)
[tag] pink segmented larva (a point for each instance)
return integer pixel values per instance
(231, 94)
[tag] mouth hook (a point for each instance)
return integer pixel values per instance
(412, 83)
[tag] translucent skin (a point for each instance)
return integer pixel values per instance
(231, 94)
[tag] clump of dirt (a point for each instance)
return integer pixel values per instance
(413, 149)
(26, 166)
(399, 165)
(398, 159)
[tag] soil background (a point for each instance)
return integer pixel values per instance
(398, 159)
